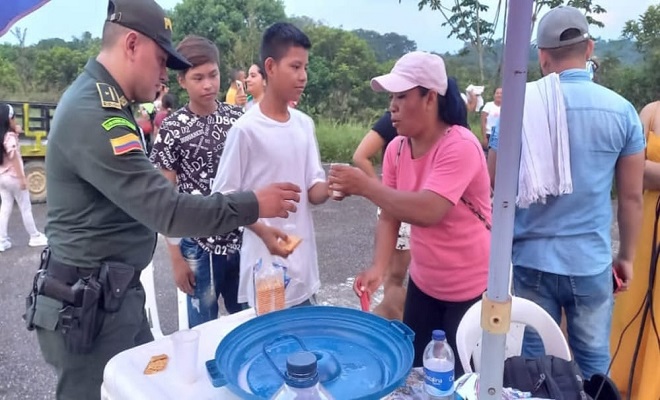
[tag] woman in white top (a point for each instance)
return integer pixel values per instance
(13, 185)
(256, 85)
(489, 116)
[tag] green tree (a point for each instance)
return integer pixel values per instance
(341, 66)
(389, 46)
(464, 18)
(234, 26)
(646, 30)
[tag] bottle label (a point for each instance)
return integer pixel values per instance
(439, 383)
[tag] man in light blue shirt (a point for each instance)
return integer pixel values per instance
(562, 250)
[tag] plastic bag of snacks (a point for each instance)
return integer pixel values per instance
(269, 287)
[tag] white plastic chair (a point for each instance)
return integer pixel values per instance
(523, 313)
(182, 303)
(150, 306)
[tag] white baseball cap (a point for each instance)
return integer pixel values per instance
(414, 69)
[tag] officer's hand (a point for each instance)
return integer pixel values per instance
(277, 200)
(183, 275)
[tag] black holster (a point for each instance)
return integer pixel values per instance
(115, 279)
(86, 294)
(81, 323)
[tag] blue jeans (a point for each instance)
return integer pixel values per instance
(587, 302)
(215, 275)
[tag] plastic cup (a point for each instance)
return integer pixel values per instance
(186, 344)
(337, 194)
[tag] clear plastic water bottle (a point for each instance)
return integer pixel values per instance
(302, 379)
(439, 368)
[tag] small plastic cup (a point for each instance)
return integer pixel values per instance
(337, 194)
(186, 345)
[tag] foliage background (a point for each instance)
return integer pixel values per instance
(341, 62)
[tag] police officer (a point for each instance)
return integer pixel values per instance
(106, 201)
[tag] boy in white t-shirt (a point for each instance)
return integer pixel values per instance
(271, 143)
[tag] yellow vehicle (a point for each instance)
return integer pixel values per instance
(35, 120)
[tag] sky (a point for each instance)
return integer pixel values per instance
(70, 18)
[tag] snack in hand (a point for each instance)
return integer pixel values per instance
(156, 364)
(290, 243)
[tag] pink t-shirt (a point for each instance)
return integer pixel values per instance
(449, 259)
(10, 144)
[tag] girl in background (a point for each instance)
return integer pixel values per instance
(13, 185)
(256, 84)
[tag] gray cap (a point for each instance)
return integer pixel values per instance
(557, 21)
(148, 18)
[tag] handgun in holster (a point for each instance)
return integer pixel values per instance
(80, 322)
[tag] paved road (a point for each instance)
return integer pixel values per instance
(344, 236)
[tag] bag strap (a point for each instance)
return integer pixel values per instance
(465, 201)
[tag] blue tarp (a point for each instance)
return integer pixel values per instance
(13, 10)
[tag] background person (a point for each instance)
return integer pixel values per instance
(255, 85)
(13, 185)
(490, 113)
(435, 178)
(635, 340)
(205, 268)
(236, 94)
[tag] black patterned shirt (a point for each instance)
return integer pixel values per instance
(191, 145)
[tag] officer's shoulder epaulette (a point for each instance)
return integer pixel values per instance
(109, 96)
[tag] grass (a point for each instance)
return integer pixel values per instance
(337, 142)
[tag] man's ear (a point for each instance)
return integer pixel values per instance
(590, 49)
(181, 78)
(131, 41)
(269, 66)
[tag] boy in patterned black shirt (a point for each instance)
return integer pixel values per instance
(187, 149)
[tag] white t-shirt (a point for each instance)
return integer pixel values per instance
(260, 151)
(493, 112)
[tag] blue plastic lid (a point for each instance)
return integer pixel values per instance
(439, 335)
(358, 355)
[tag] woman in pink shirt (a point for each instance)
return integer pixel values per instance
(435, 178)
(13, 186)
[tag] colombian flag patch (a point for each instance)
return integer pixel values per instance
(125, 144)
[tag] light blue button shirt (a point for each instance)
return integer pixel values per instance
(570, 234)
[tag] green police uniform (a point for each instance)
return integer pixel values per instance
(106, 201)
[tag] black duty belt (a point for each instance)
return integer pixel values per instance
(70, 275)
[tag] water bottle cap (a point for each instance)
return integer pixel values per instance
(301, 365)
(439, 334)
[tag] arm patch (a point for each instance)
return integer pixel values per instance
(125, 144)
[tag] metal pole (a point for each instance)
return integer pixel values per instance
(514, 78)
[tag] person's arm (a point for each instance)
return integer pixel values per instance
(113, 161)
(484, 124)
(629, 178)
(441, 190)
(13, 152)
(651, 175)
(471, 102)
(492, 165)
(629, 185)
(183, 274)
(315, 179)
(369, 147)
(491, 160)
